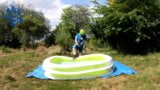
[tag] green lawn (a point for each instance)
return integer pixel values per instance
(15, 65)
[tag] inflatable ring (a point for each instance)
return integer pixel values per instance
(87, 66)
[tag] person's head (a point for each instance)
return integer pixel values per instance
(82, 32)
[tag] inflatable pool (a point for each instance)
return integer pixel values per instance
(87, 66)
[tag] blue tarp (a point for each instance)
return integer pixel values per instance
(119, 69)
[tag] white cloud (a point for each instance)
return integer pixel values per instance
(52, 9)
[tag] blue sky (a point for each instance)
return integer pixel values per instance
(80, 2)
(52, 9)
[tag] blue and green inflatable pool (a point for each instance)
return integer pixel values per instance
(87, 66)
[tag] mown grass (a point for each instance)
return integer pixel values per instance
(14, 66)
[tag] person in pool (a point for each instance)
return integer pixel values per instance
(79, 45)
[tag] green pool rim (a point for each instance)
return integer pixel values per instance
(47, 63)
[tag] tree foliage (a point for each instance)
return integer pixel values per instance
(63, 37)
(6, 36)
(129, 25)
(34, 27)
(73, 19)
(50, 39)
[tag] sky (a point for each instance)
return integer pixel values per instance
(80, 2)
(52, 9)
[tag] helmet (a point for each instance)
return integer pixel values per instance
(82, 32)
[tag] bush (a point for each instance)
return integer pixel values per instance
(63, 39)
(50, 39)
(97, 44)
(93, 44)
(131, 26)
(131, 32)
(5, 49)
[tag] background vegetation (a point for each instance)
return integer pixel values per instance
(33, 28)
(130, 26)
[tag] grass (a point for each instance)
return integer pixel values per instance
(15, 65)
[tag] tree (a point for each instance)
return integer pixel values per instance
(34, 27)
(75, 18)
(6, 36)
(63, 37)
(130, 25)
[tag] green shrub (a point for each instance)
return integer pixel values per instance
(63, 39)
(130, 32)
(50, 39)
(131, 26)
(5, 49)
(93, 44)
(97, 44)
